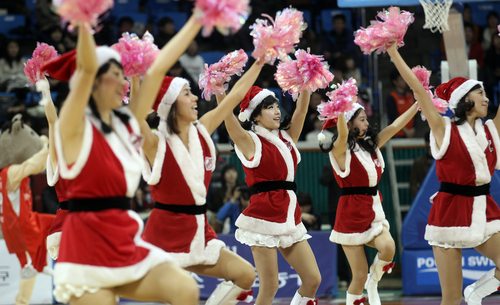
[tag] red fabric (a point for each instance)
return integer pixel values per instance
(445, 90)
(60, 191)
(360, 301)
(244, 295)
(270, 206)
(249, 96)
(355, 212)
(388, 267)
(444, 211)
(63, 67)
(476, 52)
(403, 103)
(91, 183)
(163, 228)
(28, 231)
(58, 221)
(167, 80)
(330, 123)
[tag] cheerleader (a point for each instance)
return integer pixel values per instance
(97, 141)
(463, 213)
(180, 158)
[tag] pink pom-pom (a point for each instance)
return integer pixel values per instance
(307, 72)
(379, 34)
(126, 90)
(42, 55)
(499, 30)
(86, 12)
(227, 16)
(423, 76)
(215, 77)
(340, 100)
(137, 54)
(278, 39)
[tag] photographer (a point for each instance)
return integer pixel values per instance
(233, 207)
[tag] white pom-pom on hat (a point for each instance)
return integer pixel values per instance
(242, 117)
(321, 136)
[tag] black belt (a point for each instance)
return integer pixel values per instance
(63, 205)
(267, 186)
(184, 209)
(360, 190)
(99, 204)
(465, 190)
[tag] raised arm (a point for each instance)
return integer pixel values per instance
(340, 145)
(299, 115)
(51, 114)
(72, 114)
(167, 57)
(240, 136)
(212, 119)
(387, 133)
(436, 121)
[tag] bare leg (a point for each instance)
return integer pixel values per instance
(449, 265)
(491, 249)
(230, 267)
(103, 296)
(385, 245)
(266, 263)
(359, 268)
(301, 258)
(165, 283)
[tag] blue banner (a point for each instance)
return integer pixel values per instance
(324, 251)
(420, 275)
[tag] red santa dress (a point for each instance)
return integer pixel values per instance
(102, 248)
(24, 230)
(54, 237)
(179, 182)
(467, 159)
(360, 217)
(273, 218)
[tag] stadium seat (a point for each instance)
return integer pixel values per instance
(480, 11)
(155, 6)
(9, 22)
(212, 57)
(124, 6)
(137, 17)
(179, 18)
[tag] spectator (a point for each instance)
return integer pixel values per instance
(492, 69)
(12, 77)
(45, 17)
(229, 179)
(491, 28)
(310, 219)
(312, 114)
(347, 65)
(467, 18)
(57, 39)
(312, 136)
(474, 49)
(338, 41)
(420, 167)
(166, 30)
(398, 101)
(192, 61)
(178, 71)
(233, 208)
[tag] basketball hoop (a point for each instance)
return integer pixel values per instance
(436, 14)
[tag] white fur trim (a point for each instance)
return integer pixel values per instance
(336, 167)
(356, 239)
(81, 160)
(492, 227)
(213, 155)
(198, 253)
(439, 152)
(496, 140)
(52, 176)
(348, 114)
(171, 95)
(267, 227)
(472, 235)
(462, 90)
(152, 174)
(269, 240)
(287, 137)
(69, 278)
(53, 242)
(191, 162)
(476, 144)
(257, 99)
(256, 157)
(104, 54)
(366, 161)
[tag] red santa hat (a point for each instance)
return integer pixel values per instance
(455, 89)
(64, 67)
(252, 99)
(333, 122)
(169, 91)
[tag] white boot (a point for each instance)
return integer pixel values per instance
(25, 290)
(300, 300)
(377, 269)
(352, 299)
(485, 286)
(227, 293)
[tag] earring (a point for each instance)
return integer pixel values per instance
(94, 87)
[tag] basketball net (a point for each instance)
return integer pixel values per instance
(436, 14)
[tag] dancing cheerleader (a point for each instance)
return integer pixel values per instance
(102, 255)
(180, 158)
(463, 213)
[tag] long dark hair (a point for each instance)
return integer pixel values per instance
(268, 101)
(8, 58)
(105, 128)
(369, 143)
(463, 106)
(171, 119)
